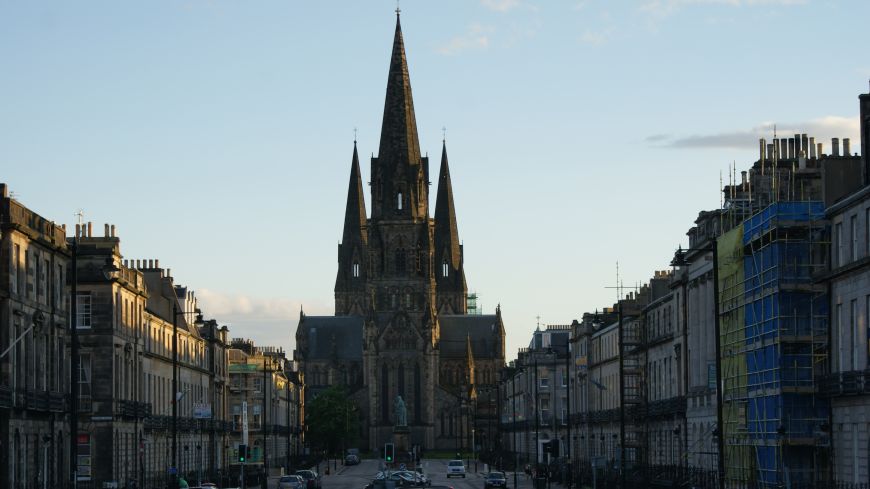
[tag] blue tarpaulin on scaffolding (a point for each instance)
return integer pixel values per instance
(780, 320)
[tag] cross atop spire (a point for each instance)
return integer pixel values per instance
(398, 10)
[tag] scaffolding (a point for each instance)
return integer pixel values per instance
(773, 336)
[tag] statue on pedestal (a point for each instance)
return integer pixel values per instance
(401, 412)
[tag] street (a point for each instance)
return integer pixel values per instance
(357, 476)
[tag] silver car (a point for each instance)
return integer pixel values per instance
(291, 482)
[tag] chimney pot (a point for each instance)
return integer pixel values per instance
(846, 149)
(90, 229)
(106, 230)
(812, 147)
(156, 263)
(113, 230)
(835, 146)
(819, 148)
(78, 230)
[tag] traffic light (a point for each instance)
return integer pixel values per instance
(243, 453)
(389, 452)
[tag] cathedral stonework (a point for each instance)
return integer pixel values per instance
(401, 328)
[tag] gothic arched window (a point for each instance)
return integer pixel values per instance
(445, 268)
(400, 260)
(355, 269)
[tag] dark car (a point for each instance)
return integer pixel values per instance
(495, 480)
(312, 478)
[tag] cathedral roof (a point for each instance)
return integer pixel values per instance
(399, 142)
(481, 330)
(333, 337)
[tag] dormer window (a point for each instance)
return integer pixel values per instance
(445, 269)
(399, 201)
(355, 269)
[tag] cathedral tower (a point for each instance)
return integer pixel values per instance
(400, 326)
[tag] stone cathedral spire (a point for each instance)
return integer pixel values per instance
(399, 174)
(351, 278)
(449, 272)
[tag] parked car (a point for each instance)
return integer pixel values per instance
(312, 478)
(402, 478)
(410, 478)
(419, 471)
(351, 459)
(455, 468)
(495, 480)
(292, 482)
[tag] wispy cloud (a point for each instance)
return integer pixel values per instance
(240, 307)
(477, 36)
(657, 10)
(500, 5)
(823, 129)
(596, 38)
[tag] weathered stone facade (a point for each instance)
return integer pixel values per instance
(34, 378)
(400, 293)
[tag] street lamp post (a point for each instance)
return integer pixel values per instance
(74, 366)
(265, 482)
(175, 394)
(680, 260)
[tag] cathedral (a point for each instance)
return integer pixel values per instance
(401, 325)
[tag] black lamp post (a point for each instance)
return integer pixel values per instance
(266, 380)
(175, 397)
(680, 260)
(74, 366)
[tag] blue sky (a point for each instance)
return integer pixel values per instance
(217, 136)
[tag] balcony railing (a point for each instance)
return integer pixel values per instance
(5, 397)
(851, 383)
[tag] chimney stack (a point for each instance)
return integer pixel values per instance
(846, 148)
(797, 145)
(90, 229)
(819, 150)
(112, 230)
(791, 148)
(835, 147)
(743, 178)
(4, 191)
(761, 147)
(812, 148)
(783, 149)
(769, 151)
(106, 230)
(805, 145)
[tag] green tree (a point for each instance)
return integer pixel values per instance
(332, 420)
